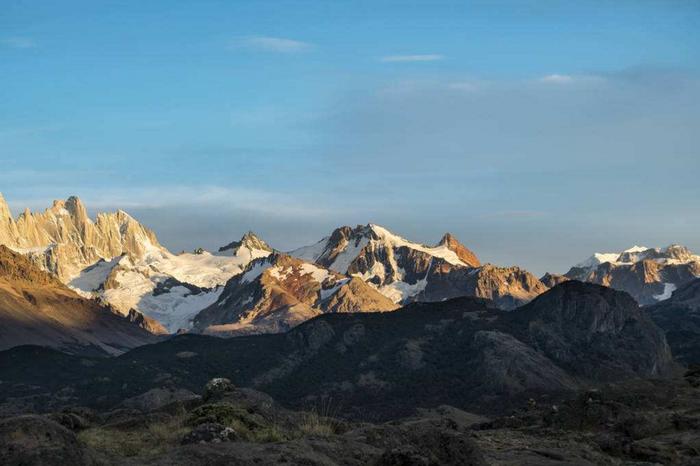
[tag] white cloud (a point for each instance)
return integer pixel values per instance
(561, 79)
(272, 44)
(18, 42)
(557, 78)
(223, 199)
(411, 58)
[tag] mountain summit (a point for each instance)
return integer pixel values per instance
(250, 245)
(464, 254)
(406, 271)
(278, 292)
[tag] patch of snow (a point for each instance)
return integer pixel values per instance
(345, 258)
(280, 273)
(203, 270)
(399, 291)
(255, 271)
(174, 309)
(442, 252)
(177, 308)
(598, 258)
(327, 293)
(91, 278)
(669, 288)
(636, 248)
(311, 253)
(318, 274)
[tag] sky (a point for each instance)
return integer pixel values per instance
(537, 132)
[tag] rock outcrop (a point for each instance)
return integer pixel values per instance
(36, 440)
(575, 321)
(550, 280)
(507, 287)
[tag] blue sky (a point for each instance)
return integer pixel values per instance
(536, 132)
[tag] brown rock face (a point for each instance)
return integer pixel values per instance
(279, 292)
(356, 295)
(465, 255)
(35, 308)
(507, 287)
(146, 323)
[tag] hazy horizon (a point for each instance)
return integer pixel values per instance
(536, 134)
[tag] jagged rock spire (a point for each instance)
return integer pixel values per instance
(8, 228)
(464, 254)
(75, 240)
(249, 241)
(5, 212)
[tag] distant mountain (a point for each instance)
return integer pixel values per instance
(36, 308)
(550, 280)
(405, 271)
(64, 240)
(278, 292)
(679, 317)
(462, 352)
(121, 262)
(648, 274)
(250, 246)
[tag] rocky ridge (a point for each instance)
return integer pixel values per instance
(405, 271)
(278, 292)
(650, 275)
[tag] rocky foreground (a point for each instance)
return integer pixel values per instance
(640, 422)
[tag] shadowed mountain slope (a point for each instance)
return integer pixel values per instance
(36, 308)
(462, 352)
(679, 317)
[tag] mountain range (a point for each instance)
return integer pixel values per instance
(111, 351)
(462, 351)
(248, 287)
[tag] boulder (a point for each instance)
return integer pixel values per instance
(210, 432)
(38, 441)
(216, 388)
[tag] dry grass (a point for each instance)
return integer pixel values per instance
(154, 439)
(320, 420)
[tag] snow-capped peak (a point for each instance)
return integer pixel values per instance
(670, 254)
(636, 248)
(249, 247)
